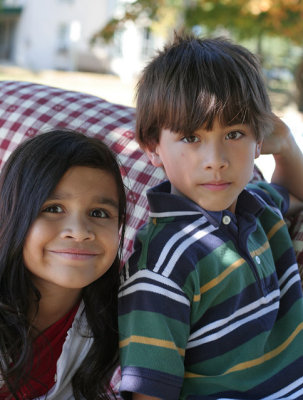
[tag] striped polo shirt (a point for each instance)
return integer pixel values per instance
(210, 305)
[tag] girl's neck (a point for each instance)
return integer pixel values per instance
(52, 307)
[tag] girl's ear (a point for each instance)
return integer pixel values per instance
(153, 156)
(258, 148)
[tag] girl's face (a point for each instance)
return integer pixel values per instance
(75, 238)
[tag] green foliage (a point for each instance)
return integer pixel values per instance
(156, 14)
(243, 18)
(249, 18)
(132, 11)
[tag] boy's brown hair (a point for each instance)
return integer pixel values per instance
(192, 81)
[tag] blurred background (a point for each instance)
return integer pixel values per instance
(100, 46)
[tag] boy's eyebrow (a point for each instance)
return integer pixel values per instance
(236, 123)
(98, 199)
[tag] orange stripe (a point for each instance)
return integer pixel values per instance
(268, 356)
(209, 285)
(275, 228)
(152, 342)
(260, 250)
(260, 360)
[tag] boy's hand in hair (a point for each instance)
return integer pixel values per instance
(289, 162)
(280, 138)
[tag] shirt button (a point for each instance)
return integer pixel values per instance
(226, 220)
(258, 261)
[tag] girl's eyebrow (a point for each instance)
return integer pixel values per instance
(108, 201)
(97, 199)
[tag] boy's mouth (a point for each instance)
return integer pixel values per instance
(216, 185)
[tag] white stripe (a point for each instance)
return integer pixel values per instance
(294, 279)
(148, 287)
(126, 270)
(278, 211)
(183, 246)
(172, 214)
(147, 274)
(244, 310)
(286, 390)
(172, 241)
(293, 396)
(230, 328)
(292, 268)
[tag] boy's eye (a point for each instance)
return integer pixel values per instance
(234, 135)
(99, 213)
(190, 139)
(53, 209)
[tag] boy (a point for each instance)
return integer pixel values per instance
(211, 304)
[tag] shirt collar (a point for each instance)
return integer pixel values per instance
(161, 200)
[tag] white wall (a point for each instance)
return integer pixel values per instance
(38, 40)
(40, 45)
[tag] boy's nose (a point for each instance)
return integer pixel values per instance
(78, 229)
(214, 157)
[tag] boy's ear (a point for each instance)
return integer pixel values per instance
(258, 148)
(153, 156)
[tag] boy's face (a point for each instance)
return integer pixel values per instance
(210, 167)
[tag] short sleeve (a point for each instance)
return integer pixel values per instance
(154, 320)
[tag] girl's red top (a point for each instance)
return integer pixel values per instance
(47, 349)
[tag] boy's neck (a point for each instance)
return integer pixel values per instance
(175, 191)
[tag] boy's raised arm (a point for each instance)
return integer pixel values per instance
(289, 162)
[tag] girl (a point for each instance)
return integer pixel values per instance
(62, 207)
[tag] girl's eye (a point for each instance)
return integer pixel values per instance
(190, 139)
(53, 209)
(234, 135)
(99, 213)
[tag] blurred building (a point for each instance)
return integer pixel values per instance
(56, 34)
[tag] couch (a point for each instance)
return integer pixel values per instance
(27, 109)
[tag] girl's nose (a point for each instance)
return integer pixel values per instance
(78, 229)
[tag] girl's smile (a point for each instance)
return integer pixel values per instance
(75, 238)
(74, 254)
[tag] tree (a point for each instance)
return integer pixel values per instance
(254, 18)
(148, 10)
(242, 18)
(250, 18)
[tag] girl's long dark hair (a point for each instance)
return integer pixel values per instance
(27, 179)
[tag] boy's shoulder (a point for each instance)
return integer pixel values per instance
(169, 241)
(271, 195)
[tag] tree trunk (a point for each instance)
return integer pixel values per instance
(299, 84)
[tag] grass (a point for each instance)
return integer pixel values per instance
(108, 87)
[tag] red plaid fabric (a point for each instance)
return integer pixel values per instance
(27, 109)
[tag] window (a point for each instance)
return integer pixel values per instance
(147, 42)
(63, 38)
